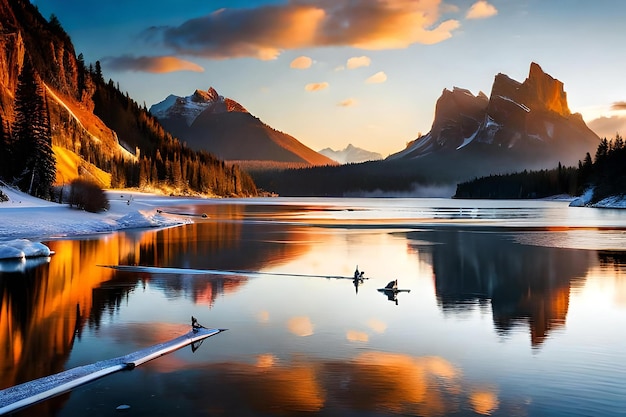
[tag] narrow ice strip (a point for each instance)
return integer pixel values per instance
(190, 271)
(29, 393)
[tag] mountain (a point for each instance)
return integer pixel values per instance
(520, 126)
(208, 121)
(528, 123)
(350, 155)
(93, 129)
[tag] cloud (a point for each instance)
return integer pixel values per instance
(618, 105)
(301, 62)
(316, 86)
(379, 77)
(481, 10)
(358, 61)
(607, 127)
(349, 102)
(153, 64)
(264, 32)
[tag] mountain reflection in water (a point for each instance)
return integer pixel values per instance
(524, 284)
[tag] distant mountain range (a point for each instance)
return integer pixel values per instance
(350, 155)
(208, 121)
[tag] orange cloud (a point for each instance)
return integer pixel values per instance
(301, 62)
(153, 64)
(347, 103)
(618, 105)
(481, 10)
(316, 86)
(358, 61)
(379, 77)
(607, 127)
(263, 32)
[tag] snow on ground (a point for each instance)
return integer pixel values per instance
(27, 217)
(617, 201)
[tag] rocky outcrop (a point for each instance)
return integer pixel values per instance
(26, 35)
(11, 61)
(528, 121)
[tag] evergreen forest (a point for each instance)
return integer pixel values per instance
(604, 174)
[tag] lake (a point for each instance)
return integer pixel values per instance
(515, 308)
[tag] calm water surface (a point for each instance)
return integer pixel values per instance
(514, 309)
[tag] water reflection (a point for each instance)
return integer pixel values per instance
(305, 345)
(524, 284)
(372, 383)
(45, 307)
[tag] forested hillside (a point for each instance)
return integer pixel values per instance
(53, 104)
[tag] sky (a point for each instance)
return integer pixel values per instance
(362, 72)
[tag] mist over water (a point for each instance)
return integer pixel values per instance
(511, 309)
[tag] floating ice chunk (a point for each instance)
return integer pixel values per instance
(23, 248)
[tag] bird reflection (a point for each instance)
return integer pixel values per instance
(391, 290)
(359, 278)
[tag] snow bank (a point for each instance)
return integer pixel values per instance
(24, 216)
(22, 248)
(583, 200)
(20, 254)
(618, 201)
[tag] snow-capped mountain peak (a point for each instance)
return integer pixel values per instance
(190, 107)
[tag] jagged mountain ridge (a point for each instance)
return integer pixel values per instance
(531, 120)
(208, 121)
(351, 155)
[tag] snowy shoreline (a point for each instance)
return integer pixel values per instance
(27, 217)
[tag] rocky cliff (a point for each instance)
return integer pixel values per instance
(25, 34)
(530, 121)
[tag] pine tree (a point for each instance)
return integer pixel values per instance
(80, 60)
(35, 164)
(4, 151)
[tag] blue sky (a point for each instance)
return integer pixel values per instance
(366, 72)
